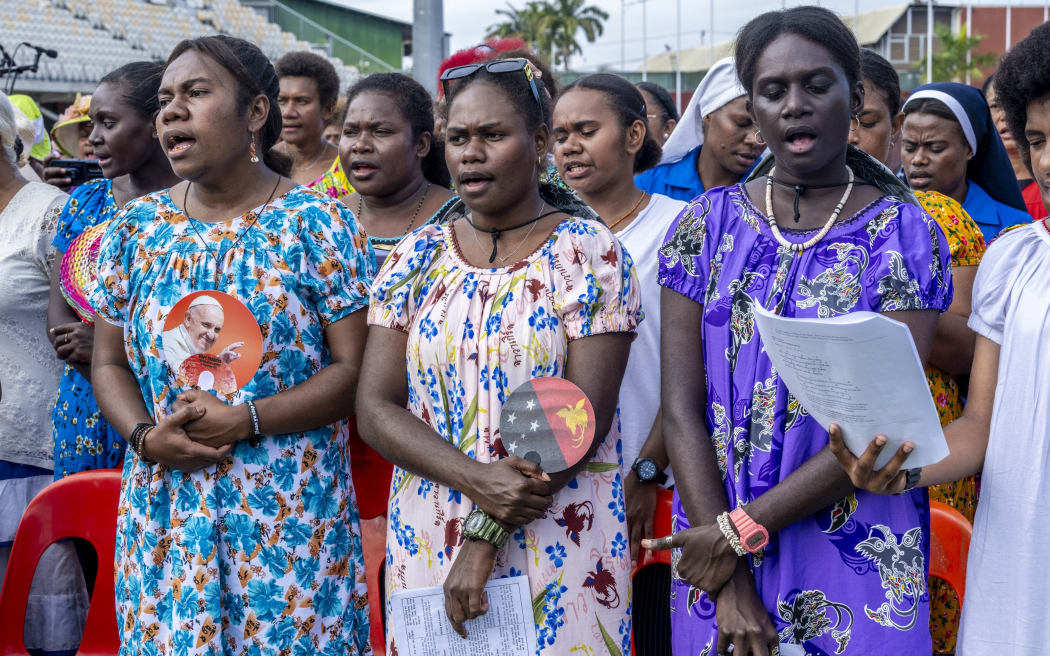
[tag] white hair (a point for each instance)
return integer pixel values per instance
(8, 129)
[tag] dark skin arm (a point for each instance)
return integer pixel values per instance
(71, 338)
(322, 400)
(510, 490)
(596, 365)
(954, 344)
(120, 400)
(967, 437)
(707, 559)
(640, 498)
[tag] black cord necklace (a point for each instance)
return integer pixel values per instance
(801, 189)
(496, 232)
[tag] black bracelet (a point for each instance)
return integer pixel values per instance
(142, 446)
(255, 418)
(137, 437)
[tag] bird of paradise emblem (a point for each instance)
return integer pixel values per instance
(576, 418)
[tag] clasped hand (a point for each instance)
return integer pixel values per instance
(512, 490)
(707, 559)
(218, 424)
(168, 443)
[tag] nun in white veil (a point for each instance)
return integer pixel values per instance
(716, 115)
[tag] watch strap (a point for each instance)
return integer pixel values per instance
(911, 479)
(753, 536)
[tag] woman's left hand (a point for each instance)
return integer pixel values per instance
(465, 596)
(707, 562)
(221, 424)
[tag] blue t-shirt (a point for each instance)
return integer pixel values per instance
(679, 180)
(992, 217)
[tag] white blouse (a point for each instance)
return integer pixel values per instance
(1007, 587)
(29, 369)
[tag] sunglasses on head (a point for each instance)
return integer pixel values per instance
(495, 67)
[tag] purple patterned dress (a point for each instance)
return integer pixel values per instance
(850, 579)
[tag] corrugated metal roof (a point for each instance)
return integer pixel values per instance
(872, 26)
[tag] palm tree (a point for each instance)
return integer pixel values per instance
(950, 65)
(530, 23)
(565, 19)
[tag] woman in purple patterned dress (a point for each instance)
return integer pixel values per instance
(843, 572)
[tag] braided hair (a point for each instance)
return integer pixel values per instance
(255, 76)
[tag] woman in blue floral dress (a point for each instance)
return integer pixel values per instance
(122, 110)
(237, 523)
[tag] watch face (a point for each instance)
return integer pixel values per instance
(647, 470)
(473, 523)
(755, 540)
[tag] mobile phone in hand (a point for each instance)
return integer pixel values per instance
(78, 170)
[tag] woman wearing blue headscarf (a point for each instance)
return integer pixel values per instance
(949, 144)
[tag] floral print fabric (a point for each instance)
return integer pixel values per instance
(966, 244)
(333, 183)
(260, 554)
(83, 439)
(852, 575)
(474, 336)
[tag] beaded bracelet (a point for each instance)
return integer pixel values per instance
(255, 418)
(725, 524)
(142, 446)
(138, 438)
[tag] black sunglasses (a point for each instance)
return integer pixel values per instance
(496, 66)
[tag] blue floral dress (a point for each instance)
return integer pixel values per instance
(260, 554)
(474, 336)
(83, 439)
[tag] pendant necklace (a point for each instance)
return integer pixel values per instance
(771, 220)
(411, 222)
(801, 189)
(496, 232)
(221, 256)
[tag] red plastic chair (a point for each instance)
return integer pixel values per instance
(373, 542)
(78, 506)
(661, 527)
(950, 535)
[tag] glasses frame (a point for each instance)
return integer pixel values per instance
(495, 67)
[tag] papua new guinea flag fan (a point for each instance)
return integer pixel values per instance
(549, 421)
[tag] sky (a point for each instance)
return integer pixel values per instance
(467, 20)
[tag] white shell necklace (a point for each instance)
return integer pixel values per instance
(771, 220)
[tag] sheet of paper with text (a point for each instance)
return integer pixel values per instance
(421, 628)
(862, 372)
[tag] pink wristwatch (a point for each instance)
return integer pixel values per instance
(753, 536)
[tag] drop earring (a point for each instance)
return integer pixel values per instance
(251, 151)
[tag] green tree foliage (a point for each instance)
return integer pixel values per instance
(550, 26)
(949, 64)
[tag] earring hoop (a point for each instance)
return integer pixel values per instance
(857, 119)
(759, 139)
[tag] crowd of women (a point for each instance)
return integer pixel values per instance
(245, 311)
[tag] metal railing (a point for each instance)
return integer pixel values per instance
(310, 30)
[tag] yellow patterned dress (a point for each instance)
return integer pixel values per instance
(967, 246)
(333, 183)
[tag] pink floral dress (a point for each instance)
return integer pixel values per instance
(474, 335)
